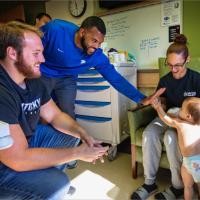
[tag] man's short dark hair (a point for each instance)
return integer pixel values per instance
(40, 15)
(94, 21)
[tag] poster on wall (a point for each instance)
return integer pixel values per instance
(170, 13)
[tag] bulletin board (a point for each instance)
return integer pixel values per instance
(143, 32)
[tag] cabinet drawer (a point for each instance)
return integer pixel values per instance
(92, 81)
(93, 93)
(102, 109)
(99, 127)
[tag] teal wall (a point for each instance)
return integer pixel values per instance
(191, 25)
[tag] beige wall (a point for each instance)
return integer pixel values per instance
(59, 9)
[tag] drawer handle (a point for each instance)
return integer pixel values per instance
(91, 80)
(92, 103)
(92, 88)
(93, 118)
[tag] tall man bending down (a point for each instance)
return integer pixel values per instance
(70, 50)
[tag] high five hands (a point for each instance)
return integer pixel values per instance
(150, 99)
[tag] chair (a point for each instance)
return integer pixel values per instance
(141, 117)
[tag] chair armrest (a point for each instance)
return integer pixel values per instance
(140, 117)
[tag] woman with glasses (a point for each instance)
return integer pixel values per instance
(180, 83)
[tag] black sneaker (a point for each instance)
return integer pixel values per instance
(170, 193)
(71, 165)
(144, 192)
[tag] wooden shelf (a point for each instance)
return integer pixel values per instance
(147, 78)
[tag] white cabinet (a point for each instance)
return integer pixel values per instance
(101, 109)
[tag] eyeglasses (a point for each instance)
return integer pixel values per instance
(176, 66)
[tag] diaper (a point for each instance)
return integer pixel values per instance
(192, 164)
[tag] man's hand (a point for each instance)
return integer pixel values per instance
(148, 100)
(90, 154)
(89, 140)
(99, 144)
(156, 103)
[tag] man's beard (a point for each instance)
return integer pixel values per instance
(25, 69)
(84, 46)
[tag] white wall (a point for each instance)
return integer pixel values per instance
(59, 10)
